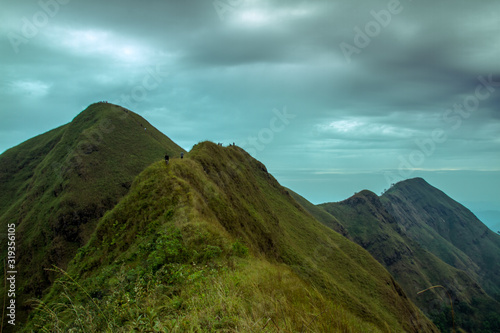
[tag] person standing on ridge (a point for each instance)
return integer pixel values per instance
(166, 158)
(182, 155)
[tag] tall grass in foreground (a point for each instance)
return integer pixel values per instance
(248, 295)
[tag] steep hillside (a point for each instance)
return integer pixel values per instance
(369, 224)
(447, 229)
(320, 214)
(212, 242)
(56, 186)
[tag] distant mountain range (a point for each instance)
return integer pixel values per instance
(111, 237)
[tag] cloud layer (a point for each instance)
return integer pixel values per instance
(367, 82)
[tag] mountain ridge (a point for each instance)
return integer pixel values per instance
(191, 213)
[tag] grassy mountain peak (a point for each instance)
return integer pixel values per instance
(57, 185)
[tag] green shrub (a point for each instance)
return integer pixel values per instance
(239, 249)
(212, 252)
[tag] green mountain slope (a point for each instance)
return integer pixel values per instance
(447, 229)
(320, 214)
(212, 242)
(56, 186)
(369, 224)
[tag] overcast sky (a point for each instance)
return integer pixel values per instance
(333, 96)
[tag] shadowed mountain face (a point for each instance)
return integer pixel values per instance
(369, 224)
(56, 186)
(447, 229)
(177, 246)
